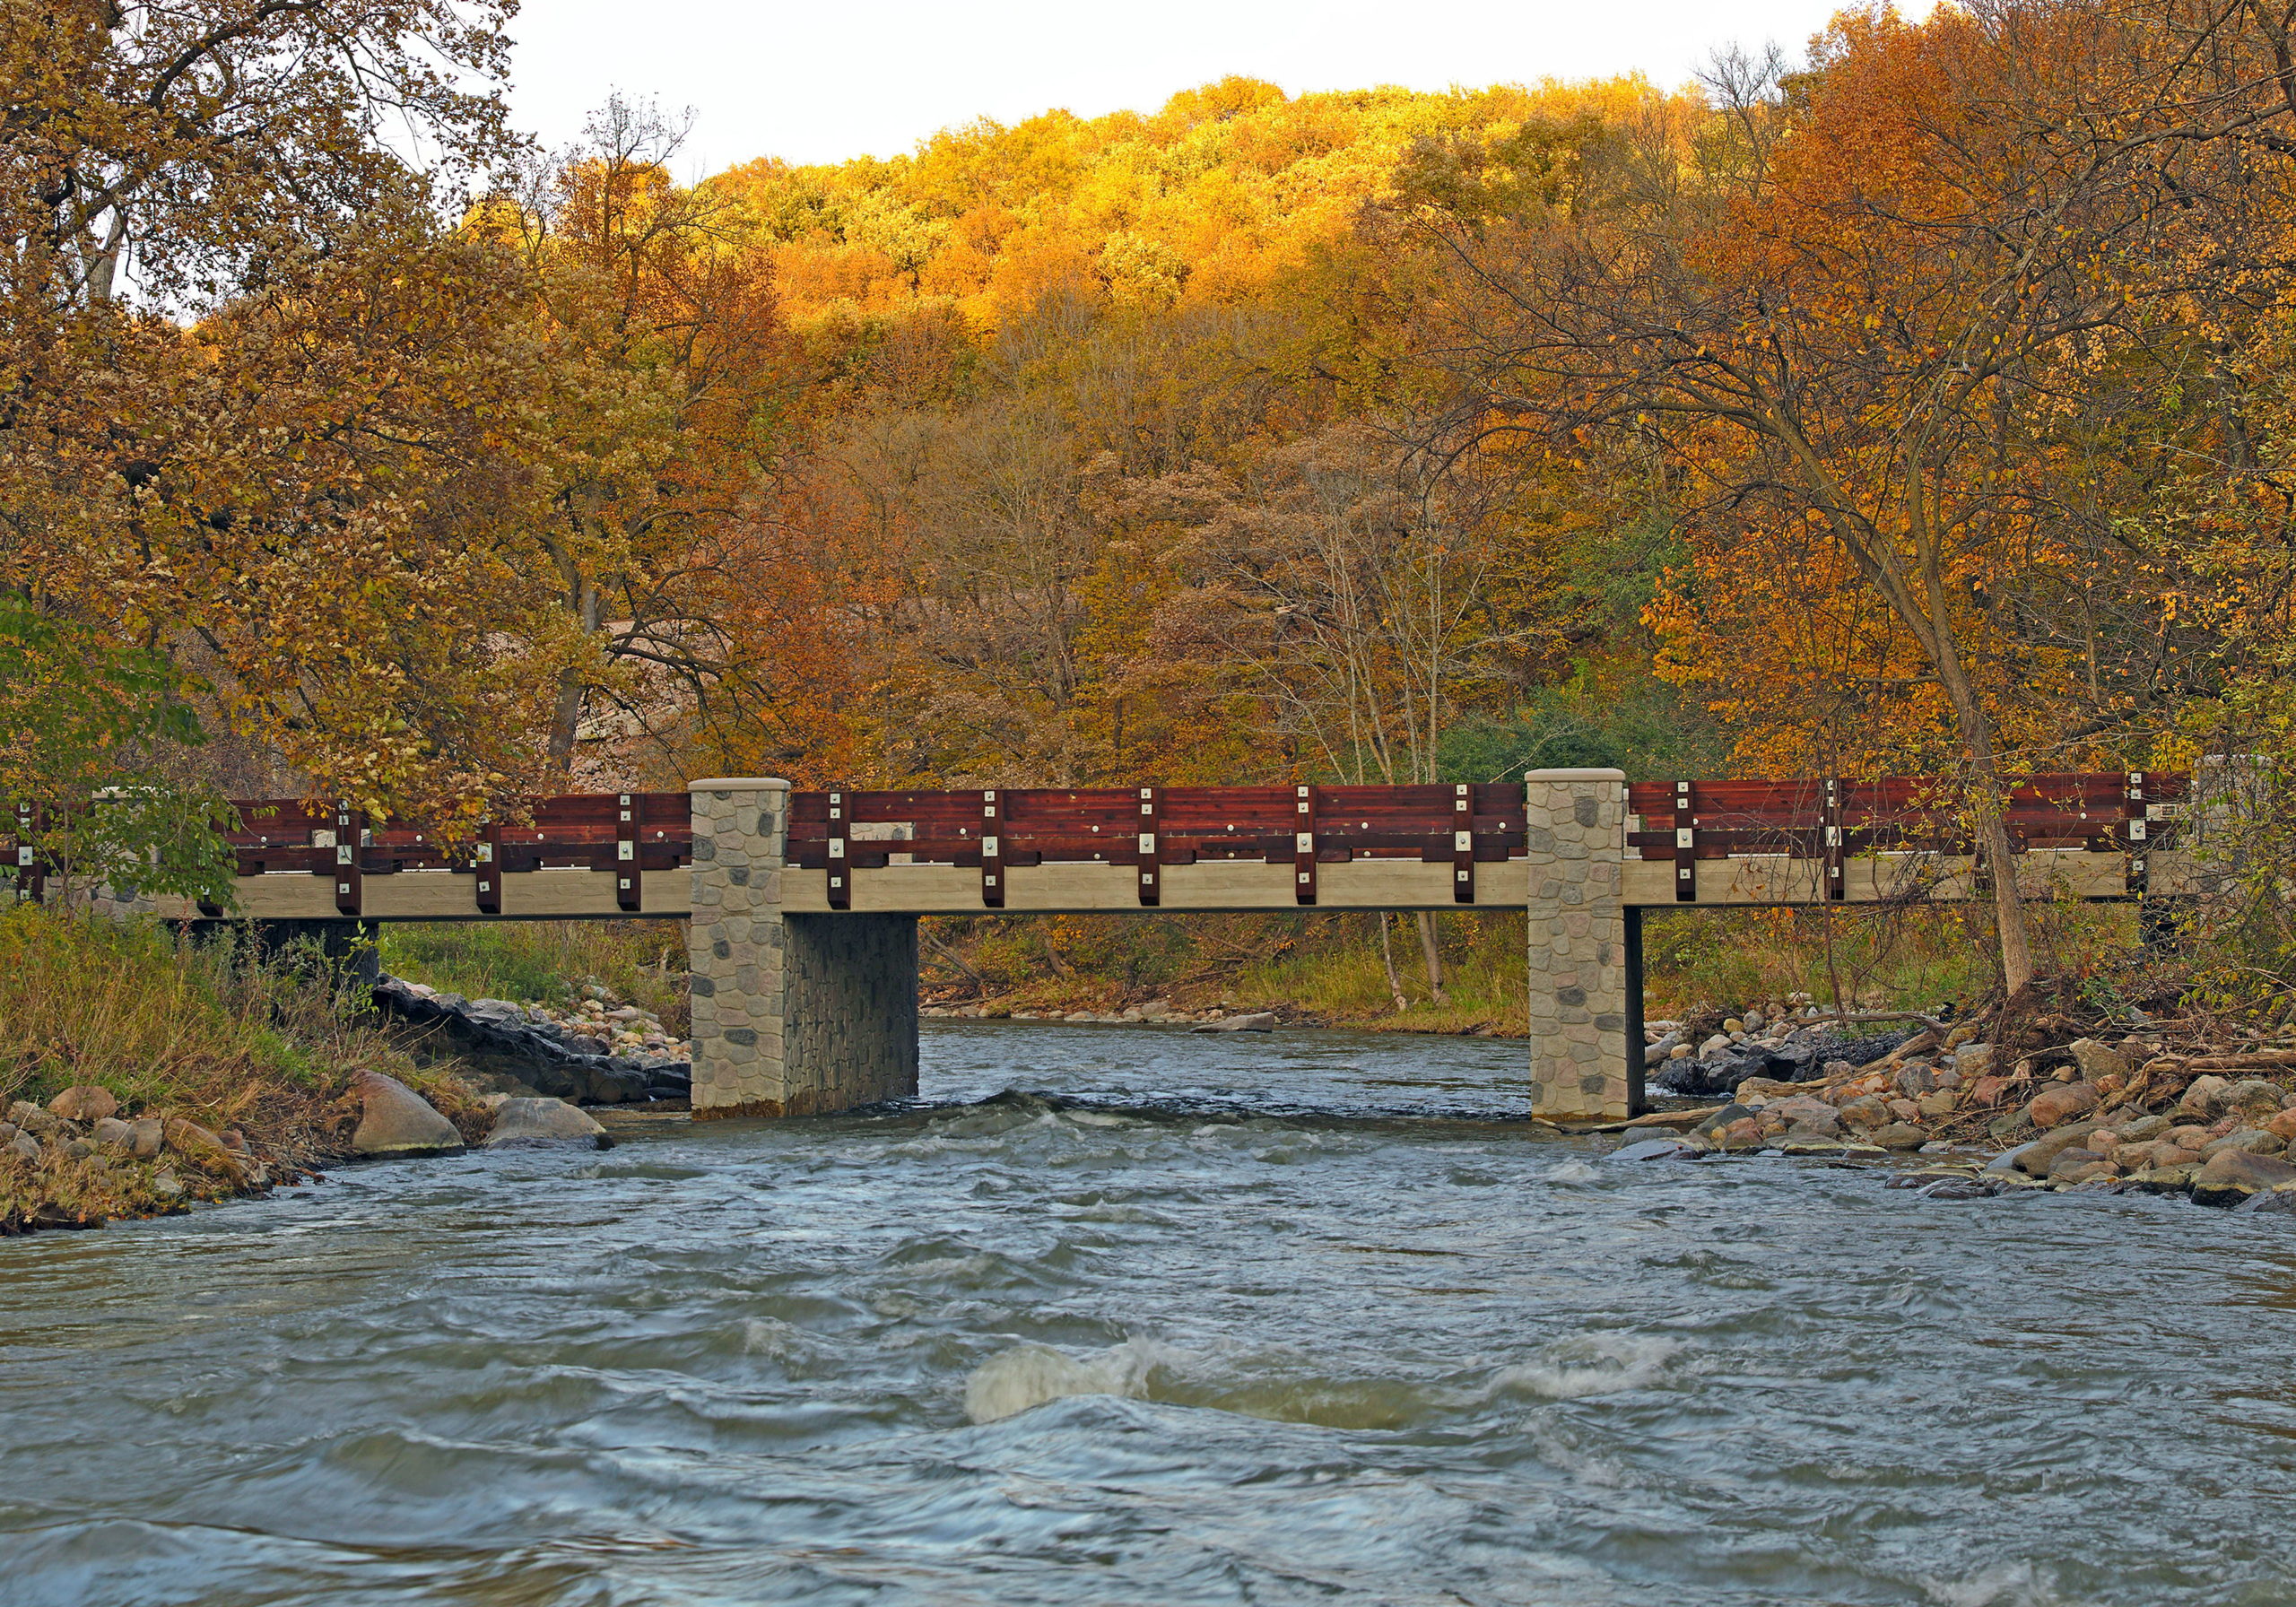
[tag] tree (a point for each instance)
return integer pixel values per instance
(1886, 313)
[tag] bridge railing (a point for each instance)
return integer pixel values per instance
(1152, 828)
(620, 835)
(2130, 812)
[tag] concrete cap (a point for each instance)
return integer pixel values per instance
(1574, 775)
(738, 783)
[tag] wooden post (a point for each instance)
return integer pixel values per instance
(1151, 849)
(1303, 845)
(629, 877)
(1463, 845)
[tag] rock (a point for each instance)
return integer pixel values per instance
(1902, 1136)
(2034, 1158)
(1662, 1050)
(2054, 1106)
(2254, 1099)
(1723, 1117)
(1935, 1106)
(1652, 1148)
(25, 1148)
(2271, 1201)
(1802, 1112)
(2231, 1175)
(2282, 1124)
(2165, 1179)
(1987, 1090)
(1956, 1188)
(1914, 1080)
(84, 1102)
(32, 1119)
(2256, 1141)
(537, 1122)
(1262, 1021)
(1867, 1114)
(1904, 1110)
(2143, 1128)
(114, 1133)
(2096, 1059)
(1741, 1134)
(2078, 1165)
(2205, 1096)
(396, 1120)
(1974, 1060)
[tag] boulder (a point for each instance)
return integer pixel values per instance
(2143, 1128)
(1741, 1134)
(1904, 1110)
(2254, 1099)
(2098, 1060)
(1259, 1020)
(146, 1134)
(1987, 1090)
(2256, 1141)
(114, 1133)
(1801, 1111)
(2205, 1098)
(2077, 1165)
(1934, 1107)
(2281, 1125)
(25, 1148)
(1956, 1188)
(84, 1102)
(2165, 1179)
(1867, 1114)
(1902, 1136)
(32, 1119)
(2054, 1106)
(396, 1120)
(1974, 1060)
(2231, 1175)
(2273, 1202)
(2034, 1158)
(537, 1122)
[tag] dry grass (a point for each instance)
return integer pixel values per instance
(203, 1030)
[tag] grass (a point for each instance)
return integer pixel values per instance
(546, 963)
(210, 1032)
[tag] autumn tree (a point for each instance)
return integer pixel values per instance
(1896, 310)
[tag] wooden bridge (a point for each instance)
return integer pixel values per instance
(803, 904)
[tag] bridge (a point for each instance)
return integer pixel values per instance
(802, 907)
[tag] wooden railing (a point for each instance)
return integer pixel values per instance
(620, 835)
(1148, 830)
(1837, 820)
(1152, 828)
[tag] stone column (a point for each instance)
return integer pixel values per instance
(793, 1014)
(1579, 1065)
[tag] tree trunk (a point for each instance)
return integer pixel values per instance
(1433, 957)
(1387, 957)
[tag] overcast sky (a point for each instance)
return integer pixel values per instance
(819, 82)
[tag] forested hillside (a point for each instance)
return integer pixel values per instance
(1920, 404)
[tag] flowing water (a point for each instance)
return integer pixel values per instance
(1178, 1318)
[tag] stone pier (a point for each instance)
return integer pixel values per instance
(1583, 986)
(793, 1014)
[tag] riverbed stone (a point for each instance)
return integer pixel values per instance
(395, 1121)
(1653, 1149)
(2099, 1059)
(1257, 1020)
(2253, 1100)
(1902, 1136)
(2143, 1128)
(2034, 1158)
(25, 1148)
(2054, 1106)
(84, 1102)
(113, 1133)
(523, 1122)
(2078, 1165)
(2256, 1141)
(2205, 1098)
(1937, 1105)
(2231, 1175)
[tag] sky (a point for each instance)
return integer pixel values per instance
(823, 82)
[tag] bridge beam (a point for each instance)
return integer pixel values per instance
(1582, 1066)
(793, 1014)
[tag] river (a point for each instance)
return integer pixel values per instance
(1127, 1315)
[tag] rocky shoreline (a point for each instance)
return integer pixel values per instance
(81, 1161)
(595, 1052)
(2090, 1115)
